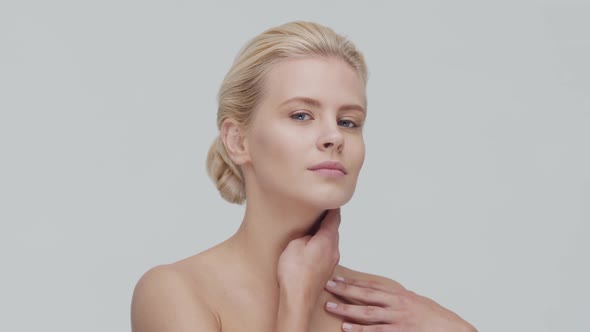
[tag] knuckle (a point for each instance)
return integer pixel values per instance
(336, 257)
(369, 311)
(344, 308)
(372, 283)
(367, 292)
(403, 299)
(407, 298)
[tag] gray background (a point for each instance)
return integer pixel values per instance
(475, 190)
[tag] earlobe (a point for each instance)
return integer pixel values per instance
(231, 135)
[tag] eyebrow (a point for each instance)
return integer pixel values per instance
(316, 103)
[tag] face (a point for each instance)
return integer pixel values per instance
(305, 140)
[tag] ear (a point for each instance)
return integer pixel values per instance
(232, 136)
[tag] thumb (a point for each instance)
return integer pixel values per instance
(330, 224)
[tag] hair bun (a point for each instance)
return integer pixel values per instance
(226, 175)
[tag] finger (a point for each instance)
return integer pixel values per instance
(393, 287)
(362, 314)
(350, 327)
(329, 226)
(363, 294)
(331, 221)
(305, 238)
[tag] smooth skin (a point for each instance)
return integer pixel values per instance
(273, 273)
(381, 307)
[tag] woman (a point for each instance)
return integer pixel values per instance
(291, 113)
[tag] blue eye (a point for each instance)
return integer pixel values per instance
(301, 116)
(347, 124)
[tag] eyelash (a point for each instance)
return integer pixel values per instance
(299, 113)
(354, 124)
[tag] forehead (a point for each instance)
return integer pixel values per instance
(331, 81)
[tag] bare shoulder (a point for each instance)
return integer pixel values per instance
(363, 276)
(167, 298)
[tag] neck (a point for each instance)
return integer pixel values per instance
(266, 230)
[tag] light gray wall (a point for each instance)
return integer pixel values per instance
(475, 190)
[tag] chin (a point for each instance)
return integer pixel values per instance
(315, 196)
(326, 201)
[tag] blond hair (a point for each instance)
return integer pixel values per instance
(242, 87)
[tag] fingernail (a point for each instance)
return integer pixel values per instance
(331, 305)
(330, 283)
(346, 327)
(338, 278)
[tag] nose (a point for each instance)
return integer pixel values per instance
(331, 139)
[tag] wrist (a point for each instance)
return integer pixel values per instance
(294, 311)
(296, 299)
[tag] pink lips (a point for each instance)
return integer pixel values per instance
(329, 168)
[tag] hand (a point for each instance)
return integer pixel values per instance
(384, 309)
(307, 263)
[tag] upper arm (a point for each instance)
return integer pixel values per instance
(165, 300)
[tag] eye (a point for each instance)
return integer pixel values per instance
(300, 116)
(347, 124)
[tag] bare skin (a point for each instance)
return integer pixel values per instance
(228, 294)
(272, 274)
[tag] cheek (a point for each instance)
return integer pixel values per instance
(359, 154)
(274, 146)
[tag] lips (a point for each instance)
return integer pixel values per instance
(329, 166)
